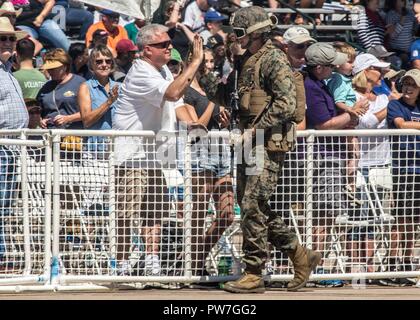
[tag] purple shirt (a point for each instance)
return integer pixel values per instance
(321, 108)
(319, 101)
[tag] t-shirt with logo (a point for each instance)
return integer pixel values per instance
(31, 81)
(61, 99)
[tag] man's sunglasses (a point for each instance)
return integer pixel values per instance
(10, 38)
(301, 46)
(101, 61)
(114, 18)
(161, 45)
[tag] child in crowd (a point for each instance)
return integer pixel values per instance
(340, 86)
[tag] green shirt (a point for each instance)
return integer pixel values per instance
(132, 31)
(31, 81)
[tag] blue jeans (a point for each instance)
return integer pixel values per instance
(79, 17)
(50, 32)
(7, 188)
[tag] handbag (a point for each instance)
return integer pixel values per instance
(69, 143)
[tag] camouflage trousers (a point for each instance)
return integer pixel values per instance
(259, 224)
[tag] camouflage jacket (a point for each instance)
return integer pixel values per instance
(276, 78)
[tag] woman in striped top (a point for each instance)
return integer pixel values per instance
(402, 24)
(370, 25)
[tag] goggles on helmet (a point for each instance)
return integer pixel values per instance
(239, 32)
(242, 32)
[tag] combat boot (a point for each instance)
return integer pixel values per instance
(304, 262)
(248, 283)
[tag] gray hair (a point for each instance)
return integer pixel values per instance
(148, 33)
(103, 50)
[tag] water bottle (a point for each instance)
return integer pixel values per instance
(224, 267)
(237, 210)
(55, 268)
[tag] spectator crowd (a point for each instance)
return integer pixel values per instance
(114, 72)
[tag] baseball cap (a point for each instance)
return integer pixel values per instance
(367, 60)
(297, 35)
(175, 55)
(413, 74)
(214, 41)
(322, 54)
(379, 51)
(108, 12)
(125, 45)
(100, 33)
(213, 15)
(393, 73)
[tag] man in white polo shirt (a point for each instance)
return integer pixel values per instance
(295, 42)
(147, 101)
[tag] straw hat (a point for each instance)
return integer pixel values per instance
(51, 64)
(8, 7)
(7, 28)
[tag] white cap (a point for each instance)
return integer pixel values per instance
(367, 60)
(297, 35)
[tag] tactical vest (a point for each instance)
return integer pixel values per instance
(254, 100)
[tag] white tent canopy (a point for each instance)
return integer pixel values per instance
(142, 9)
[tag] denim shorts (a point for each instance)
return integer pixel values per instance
(215, 158)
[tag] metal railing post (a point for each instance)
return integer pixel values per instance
(25, 203)
(47, 214)
(187, 207)
(309, 189)
(112, 208)
(55, 263)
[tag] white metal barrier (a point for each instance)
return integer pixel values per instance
(128, 207)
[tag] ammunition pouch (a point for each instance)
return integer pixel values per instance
(258, 101)
(282, 139)
(254, 101)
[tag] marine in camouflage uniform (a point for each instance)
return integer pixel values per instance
(259, 223)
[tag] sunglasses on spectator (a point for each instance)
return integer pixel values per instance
(114, 18)
(161, 45)
(375, 68)
(301, 46)
(102, 61)
(10, 38)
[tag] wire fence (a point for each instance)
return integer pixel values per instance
(135, 208)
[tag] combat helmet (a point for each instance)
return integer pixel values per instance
(252, 19)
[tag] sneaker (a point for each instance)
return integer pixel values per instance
(329, 283)
(396, 282)
(152, 265)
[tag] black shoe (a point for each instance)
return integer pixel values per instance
(396, 282)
